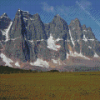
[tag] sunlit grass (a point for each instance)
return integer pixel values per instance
(50, 86)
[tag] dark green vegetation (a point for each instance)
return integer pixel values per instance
(8, 70)
(84, 68)
(53, 71)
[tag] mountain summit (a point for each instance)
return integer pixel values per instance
(27, 42)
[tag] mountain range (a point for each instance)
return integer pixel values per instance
(28, 43)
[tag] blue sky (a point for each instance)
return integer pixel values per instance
(87, 11)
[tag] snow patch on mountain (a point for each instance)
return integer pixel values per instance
(23, 11)
(56, 61)
(3, 32)
(32, 41)
(4, 15)
(41, 40)
(28, 19)
(6, 31)
(17, 64)
(40, 62)
(15, 38)
(71, 37)
(58, 39)
(78, 40)
(95, 55)
(80, 55)
(67, 40)
(73, 28)
(25, 18)
(6, 60)
(67, 55)
(84, 38)
(85, 30)
(91, 39)
(19, 10)
(75, 54)
(52, 43)
(31, 19)
(90, 47)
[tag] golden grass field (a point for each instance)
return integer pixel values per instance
(50, 86)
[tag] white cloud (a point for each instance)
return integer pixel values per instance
(85, 4)
(71, 11)
(87, 12)
(82, 9)
(47, 7)
(62, 10)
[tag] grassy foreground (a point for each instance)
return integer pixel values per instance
(50, 86)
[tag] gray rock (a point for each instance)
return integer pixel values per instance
(58, 28)
(17, 49)
(35, 28)
(77, 47)
(4, 23)
(28, 38)
(76, 30)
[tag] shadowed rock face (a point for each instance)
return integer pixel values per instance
(27, 39)
(4, 23)
(58, 28)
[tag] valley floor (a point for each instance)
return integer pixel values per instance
(50, 86)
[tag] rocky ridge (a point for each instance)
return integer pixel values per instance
(27, 42)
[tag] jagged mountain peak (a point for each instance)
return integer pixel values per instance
(19, 10)
(54, 45)
(36, 16)
(75, 24)
(26, 15)
(4, 21)
(57, 17)
(89, 28)
(4, 15)
(76, 20)
(84, 27)
(58, 20)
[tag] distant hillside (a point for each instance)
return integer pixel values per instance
(8, 70)
(89, 69)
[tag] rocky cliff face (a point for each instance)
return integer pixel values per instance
(27, 42)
